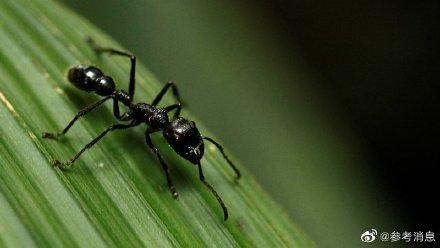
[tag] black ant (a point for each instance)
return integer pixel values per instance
(181, 134)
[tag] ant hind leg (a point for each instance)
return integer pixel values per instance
(117, 113)
(81, 113)
(111, 51)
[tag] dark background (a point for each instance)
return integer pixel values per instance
(380, 62)
(332, 105)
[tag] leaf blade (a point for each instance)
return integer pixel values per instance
(125, 201)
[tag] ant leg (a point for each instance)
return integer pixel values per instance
(112, 51)
(162, 162)
(81, 113)
(237, 172)
(219, 199)
(69, 162)
(177, 106)
(164, 90)
(116, 112)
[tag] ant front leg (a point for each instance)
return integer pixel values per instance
(172, 85)
(112, 51)
(162, 162)
(81, 113)
(69, 162)
(237, 172)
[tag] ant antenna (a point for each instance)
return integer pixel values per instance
(219, 199)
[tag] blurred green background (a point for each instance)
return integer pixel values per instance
(282, 109)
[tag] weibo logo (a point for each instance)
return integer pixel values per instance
(369, 236)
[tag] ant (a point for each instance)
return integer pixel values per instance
(181, 134)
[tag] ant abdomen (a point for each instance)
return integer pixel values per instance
(90, 78)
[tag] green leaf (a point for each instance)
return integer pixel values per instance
(116, 194)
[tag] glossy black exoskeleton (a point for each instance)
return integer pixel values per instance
(181, 134)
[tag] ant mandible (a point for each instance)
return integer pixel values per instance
(181, 134)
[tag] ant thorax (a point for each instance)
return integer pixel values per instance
(155, 118)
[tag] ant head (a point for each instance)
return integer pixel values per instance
(185, 139)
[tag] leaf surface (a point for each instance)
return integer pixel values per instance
(116, 194)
